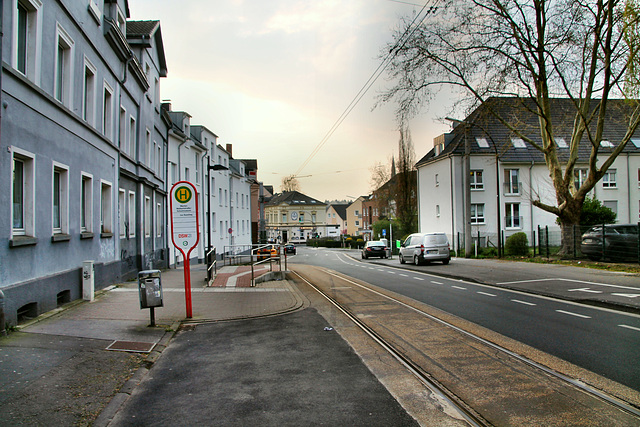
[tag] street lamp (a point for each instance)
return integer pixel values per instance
(211, 168)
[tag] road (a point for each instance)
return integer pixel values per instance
(600, 340)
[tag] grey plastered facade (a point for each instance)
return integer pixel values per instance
(62, 122)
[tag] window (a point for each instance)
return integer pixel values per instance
(225, 198)
(437, 210)
(122, 22)
(611, 204)
(511, 181)
(122, 127)
(220, 196)
(147, 148)
(147, 216)
(357, 223)
(213, 221)
(221, 230)
(60, 204)
(437, 181)
(606, 144)
(609, 179)
(173, 171)
(477, 213)
(357, 213)
(107, 111)
(27, 38)
(122, 194)
(197, 168)
(284, 218)
(518, 143)
(89, 95)
(512, 220)
(132, 214)
(580, 176)
(476, 182)
(23, 193)
(106, 208)
(159, 159)
(64, 68)
(313, 218)
(86, 196)
(561, 143)
(133, 140)
(482, 142)
(159, 220)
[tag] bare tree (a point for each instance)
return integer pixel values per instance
(406, 184)
(536, 50)
(290, 183)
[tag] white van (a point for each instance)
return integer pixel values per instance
(420, 248)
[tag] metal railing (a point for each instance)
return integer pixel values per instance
(269, 257)
(212, 262)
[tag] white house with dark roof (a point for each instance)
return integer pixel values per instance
(296, 217)
(506, 174)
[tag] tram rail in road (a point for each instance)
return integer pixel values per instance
(488, 383)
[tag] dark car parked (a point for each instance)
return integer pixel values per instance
(374, 248)
(290, 248)
(620, 242)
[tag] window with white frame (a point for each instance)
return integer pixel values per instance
(611, 204)
(86, 207)
(147, 148)
(313, 218)
(482, 142)
(133, 140)
(64, 67)
(477, 213)
(106, 207)
(159, 160)
(220, 196)
(284, 218)
(213, 221)
(226, 203)
(221, 230)
(122, 21)
(122, 128)
(158, 220)
(512, 181)
(518, 143)
(580, 176)
(195, 155)
(89, 93)
(27, 38)
(131, 218)
(60, 196)
(122, 200)
(476, 182)
(23, 193)
(107, 111)
(609, 179)
(437, 181)
(187, 175)
(147, 216)
(512, 218)
(173, 170)
(438, 210)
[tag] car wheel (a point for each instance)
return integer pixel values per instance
(446, 261)
(416, 260)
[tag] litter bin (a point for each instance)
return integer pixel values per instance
(150, 290)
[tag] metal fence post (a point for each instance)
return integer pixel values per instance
(546, 238)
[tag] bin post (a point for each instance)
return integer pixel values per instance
(88, 282)
(150, 291)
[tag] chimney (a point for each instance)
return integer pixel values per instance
(230, 149)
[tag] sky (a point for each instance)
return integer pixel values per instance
(272, 77)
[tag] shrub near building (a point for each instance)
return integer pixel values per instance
(517, 245)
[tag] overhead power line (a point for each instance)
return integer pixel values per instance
(365, 88)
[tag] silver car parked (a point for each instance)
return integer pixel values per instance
(420, 248)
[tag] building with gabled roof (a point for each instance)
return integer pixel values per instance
(296, 217)
(507, 173)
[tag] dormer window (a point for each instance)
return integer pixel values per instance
(606, 144)
(561, 143)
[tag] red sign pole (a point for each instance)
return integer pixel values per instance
(185, 229)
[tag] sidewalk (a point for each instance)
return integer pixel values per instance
(60, 355)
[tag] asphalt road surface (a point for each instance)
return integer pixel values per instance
(600, 340)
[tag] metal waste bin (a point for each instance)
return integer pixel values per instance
(150, 288)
